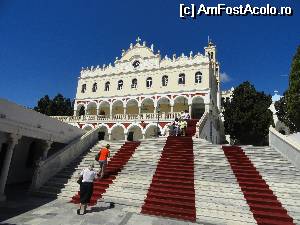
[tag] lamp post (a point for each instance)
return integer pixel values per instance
(158, 111)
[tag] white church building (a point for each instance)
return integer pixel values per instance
(142, 92)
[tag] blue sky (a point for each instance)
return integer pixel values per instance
(44, 44)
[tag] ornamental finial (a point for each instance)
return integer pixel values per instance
(138, 40)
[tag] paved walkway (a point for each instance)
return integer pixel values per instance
(59, 212)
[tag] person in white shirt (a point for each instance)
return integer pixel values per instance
(186, 115)
(86, 187)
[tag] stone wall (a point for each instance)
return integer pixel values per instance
(59, 160)
(289, 148)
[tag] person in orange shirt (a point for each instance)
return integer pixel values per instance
(104, 153)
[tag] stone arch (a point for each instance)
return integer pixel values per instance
(136, 131)
(80, 110)
(118, 132)
(132, 106)
(147, 105)
(91, 108)
(87, 127)
(117, 107)
(198, 107)
(104, 108)
(103, 132)
(151, 130)
(164, 104)
(181, 103)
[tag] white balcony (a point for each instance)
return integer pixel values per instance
(167, 117)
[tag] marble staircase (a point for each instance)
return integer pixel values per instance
(63, 184)
(131, 186)
(282, 177)
(114, 167)
(218, 197)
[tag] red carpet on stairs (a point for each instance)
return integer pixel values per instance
(191, 127)
(266, 208)
(172, 192)
(115, 165)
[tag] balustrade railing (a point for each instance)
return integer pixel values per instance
(120, 117)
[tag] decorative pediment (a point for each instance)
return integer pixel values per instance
(137, 52)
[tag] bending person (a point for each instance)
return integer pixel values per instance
(86, 187)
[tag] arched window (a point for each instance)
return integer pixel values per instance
(83, 88)
(120, 85)
(94, 89)
(149, 82)
(106, 87)
(198, 77)
(181, 78)
(164, 80)
(134, 83)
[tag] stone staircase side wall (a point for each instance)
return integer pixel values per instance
(288, 148)
(51, 166)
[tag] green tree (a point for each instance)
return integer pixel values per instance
(288, 110)
(43, 105)
(247, 116)
(58, 106)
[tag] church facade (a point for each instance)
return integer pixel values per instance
(143, 91)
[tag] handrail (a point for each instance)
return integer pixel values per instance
(200, 125)
(52, 165)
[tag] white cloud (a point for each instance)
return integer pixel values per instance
(225, 77)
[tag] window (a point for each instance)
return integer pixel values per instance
(94, 89)
(164, 80)
(181, 78)
(134, 83)
(149, 82)
(83, 88)
(198, 78)
(107, 84)
(136, 63)
(120, 85)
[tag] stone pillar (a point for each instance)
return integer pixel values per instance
(109, 136)
(124, 110)
(207, 107)
(172, 108)
(139, 109)
(126, 136)
(46, 149)
(12, 142)
(143, 136)
(190, 110)
(97, 111)
(75, 112)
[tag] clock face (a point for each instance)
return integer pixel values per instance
(136, 63)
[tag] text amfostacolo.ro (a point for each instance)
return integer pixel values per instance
(194, 10)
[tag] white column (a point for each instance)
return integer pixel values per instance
(75, 112)
(143, 136)
(109, 136)
(139, 109)
(13, 141)
(172, 108)
(190, 110)
(126, 136)
(46, 149)
(124, 110)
